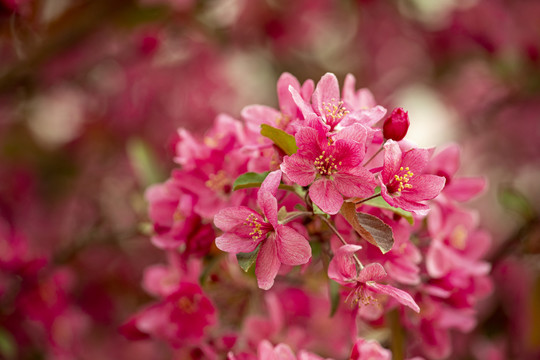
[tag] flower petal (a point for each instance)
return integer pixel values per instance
(464, 189)
(229, 218)
(271, 183)
(416, 159)
(235, 244)
(342, 267)
(268, 263)
(286, 102)
(367, 117)
(401, 296)
(354, 132)
(372, 272)
(293, 248)
(347, 152)
(269, 207)
(325, 195)
(327, 91)
(359, 183)
(307, 140)
(424, 187)
(392, 161)
(299, 169)
(255, 115)
(304, 107)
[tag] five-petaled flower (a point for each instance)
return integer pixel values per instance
(244, 229)
(402, 181)
(343, 270)
(332, 164)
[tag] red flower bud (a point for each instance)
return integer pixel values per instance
(396, 125)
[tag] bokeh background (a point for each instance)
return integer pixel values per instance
(92, 94)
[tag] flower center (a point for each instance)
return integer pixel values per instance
(189, 306)
(362, 297)
(179, 215)
(326, 164)
(282, 121)
(334, 113)
(255, 225)
(400, 183)
(219, 182)
(458, 238)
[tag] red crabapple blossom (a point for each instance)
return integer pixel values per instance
(331, 164)
(244, 229)
(365, 281)
(402, 181)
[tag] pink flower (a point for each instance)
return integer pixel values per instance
(282, 352)
(332, 164)
(335, 113)
(369, 349)
(255, 115)
(343, 270)
(446, 163)
(402, 181)
(181, 318)
(244, 229)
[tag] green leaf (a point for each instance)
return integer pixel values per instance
(382, 204)
(8, 346)
(138, 15)
(513, 200)
(144, 162)
(249, 180)
(245, 260)
(333, 289)
(369, 227)
(281, 139)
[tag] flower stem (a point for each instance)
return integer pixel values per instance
(295, 215)
(374, 155)
(332, 227)
(367, 199)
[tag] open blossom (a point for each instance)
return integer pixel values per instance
(255, 115)
(446, 163)
(181, 318)
(244, 229)
(326, 104)
(402, 181)
(343, 270)
(332, 164)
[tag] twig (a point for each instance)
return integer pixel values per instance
(367, 199)
(374, 155)
(356, 259)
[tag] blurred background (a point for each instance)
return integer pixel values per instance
(92, 94)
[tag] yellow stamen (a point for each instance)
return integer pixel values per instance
(404, 179)
(218, 181)
(256, 232)
(334, 113)
(326, 165)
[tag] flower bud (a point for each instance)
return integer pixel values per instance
(396, 125)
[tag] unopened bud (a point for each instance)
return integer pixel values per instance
(396, 125)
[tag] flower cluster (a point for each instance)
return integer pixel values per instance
(372, 221)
